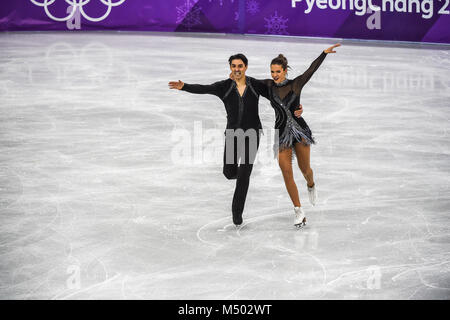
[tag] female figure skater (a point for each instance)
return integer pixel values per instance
(294, 133)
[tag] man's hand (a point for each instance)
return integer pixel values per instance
(176, 84)
(330, 49)
(299, 111)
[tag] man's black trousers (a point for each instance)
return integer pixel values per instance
(239, 156)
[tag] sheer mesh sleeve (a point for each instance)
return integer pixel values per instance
(301, 80)
(261, 87)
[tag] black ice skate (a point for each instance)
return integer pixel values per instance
(237, 219)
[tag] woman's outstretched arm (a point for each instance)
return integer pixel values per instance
(301, 80)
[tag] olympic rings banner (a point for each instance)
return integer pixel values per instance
(399, 20)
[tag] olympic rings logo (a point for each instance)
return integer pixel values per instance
(77, 4)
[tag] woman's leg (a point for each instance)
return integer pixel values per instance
(303, 158)
(285, 162)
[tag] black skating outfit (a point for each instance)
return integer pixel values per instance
(242, 113)
(285, 99)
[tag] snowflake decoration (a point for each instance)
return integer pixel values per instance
(188, 15)
(252, 7)
(236, 15)
(221, 2)
(276, 24)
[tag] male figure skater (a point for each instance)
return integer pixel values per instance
(240, 97)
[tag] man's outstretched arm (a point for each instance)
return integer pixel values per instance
(214, 88)
(176, 85)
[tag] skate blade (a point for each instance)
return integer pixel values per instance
(301, 224)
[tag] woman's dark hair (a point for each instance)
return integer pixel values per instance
(238, 56)
(282, 61)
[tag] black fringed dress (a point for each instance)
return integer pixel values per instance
(285, 99)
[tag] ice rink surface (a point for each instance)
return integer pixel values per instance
(111, 184)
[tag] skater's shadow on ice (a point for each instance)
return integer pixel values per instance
(217, 232)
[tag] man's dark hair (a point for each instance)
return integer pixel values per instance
(238, 56)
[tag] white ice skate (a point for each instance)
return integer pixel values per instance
(312, 192)
(300, 219)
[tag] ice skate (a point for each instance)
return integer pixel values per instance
(237, 220)
(312, 192)
(300, 219)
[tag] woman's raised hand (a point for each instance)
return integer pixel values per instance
(176, 84)
(330, 49)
